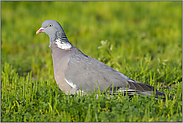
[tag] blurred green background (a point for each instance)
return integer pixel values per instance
(142, 40)
(134, 28)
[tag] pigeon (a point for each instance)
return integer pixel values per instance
(74, 71)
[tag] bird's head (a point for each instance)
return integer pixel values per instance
(55, 32)
(50, 27)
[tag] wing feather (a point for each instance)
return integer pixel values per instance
(86, 71)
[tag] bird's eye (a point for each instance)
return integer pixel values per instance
(50, 25)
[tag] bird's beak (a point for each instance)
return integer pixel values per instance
(40, 30)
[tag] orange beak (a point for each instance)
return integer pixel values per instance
(40, 30)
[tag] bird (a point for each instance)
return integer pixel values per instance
(74, 71)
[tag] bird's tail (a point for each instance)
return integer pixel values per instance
(135, 87)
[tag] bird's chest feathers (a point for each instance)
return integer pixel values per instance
(63, 45)
(60, 57)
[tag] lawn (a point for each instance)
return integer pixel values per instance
(142, 40)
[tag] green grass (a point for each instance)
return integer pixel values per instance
(142, 40)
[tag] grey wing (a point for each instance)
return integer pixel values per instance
(85, 72)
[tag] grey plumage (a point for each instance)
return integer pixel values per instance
(73, 69)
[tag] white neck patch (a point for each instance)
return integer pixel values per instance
(63, 45)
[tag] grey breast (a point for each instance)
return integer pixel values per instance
(60, 63)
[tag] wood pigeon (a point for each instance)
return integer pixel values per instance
(74, 70)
